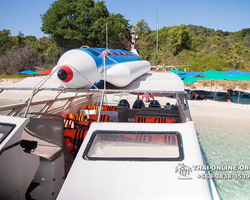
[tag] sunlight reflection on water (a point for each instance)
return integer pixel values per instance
(227, 143)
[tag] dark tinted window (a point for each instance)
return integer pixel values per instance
(104, 50)
(5, 130)
(115, 53)
(93, 52)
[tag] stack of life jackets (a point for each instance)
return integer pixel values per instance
(76, 129)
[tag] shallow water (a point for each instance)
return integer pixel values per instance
(227, 143)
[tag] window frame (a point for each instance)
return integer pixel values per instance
(91, 140)
(6, 135)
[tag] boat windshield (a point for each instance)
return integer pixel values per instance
(144, 146)
(5, 130)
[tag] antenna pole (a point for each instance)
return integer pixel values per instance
(106, 35)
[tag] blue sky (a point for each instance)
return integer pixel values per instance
(226, 15)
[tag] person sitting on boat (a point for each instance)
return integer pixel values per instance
(168, 106)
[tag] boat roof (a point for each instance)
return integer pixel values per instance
(162, 82)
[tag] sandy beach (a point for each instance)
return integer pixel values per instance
(208, 111)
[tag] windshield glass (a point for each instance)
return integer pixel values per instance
(5, 129)
(134, 146)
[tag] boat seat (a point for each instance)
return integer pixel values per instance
(132, 112)
(169, 111)
(44, 149)
(143, 112)
(49, 135)
(122, 113)
(153, 109)
(159, 115)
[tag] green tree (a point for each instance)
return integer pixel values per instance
(179, 39)
(48, 52)
(30, 41)
(20, 38)
(118, 32)
(6, 41)
(142, 28)
(70, 22)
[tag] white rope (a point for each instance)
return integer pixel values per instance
(47, 78)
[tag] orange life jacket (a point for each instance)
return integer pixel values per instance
(155, 139)
(145, 119)
(154, 120)
(69, 124)
(104, 118)
(77, 117)
(165, 120)
(104, 108)
(74, 139)
(85, 124)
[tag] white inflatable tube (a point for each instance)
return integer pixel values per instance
(123, 74)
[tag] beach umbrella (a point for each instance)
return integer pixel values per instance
(235, 72)
(45, 72)
(35, 72)
(26, 72)
(209, 72)
(178, 71)
(239, 77)
(214, 75)
(192, 73)
(191, 79)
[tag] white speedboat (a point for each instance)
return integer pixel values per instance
(138, 142)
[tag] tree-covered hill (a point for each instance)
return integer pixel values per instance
(198, 46)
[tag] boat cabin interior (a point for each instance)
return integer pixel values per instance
(56, 128)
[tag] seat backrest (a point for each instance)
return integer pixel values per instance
(124, 102)
(138, 104)
(152, 109)
(50, 130)
(122, 113)
(154, 103)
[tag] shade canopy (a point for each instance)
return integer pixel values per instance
(26, 72)
(178, 71)
(216, 75)
(35, 72)
(45, 72)
(235, 72)
(192, 73)
(239, 77)
(191, 79)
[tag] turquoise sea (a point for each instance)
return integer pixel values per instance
(227, 143)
